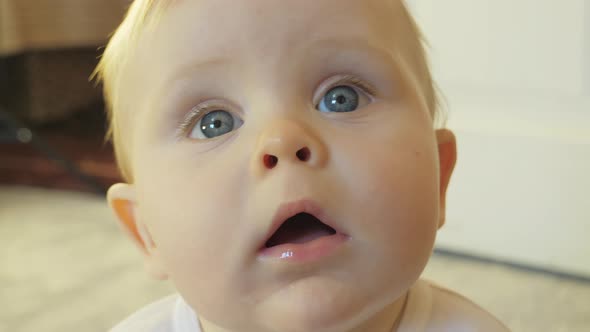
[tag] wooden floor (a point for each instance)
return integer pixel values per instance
(64, 266)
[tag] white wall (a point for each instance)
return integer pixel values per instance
(516, 75)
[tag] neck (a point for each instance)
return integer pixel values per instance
(386, 320)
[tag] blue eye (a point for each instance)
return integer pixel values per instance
(214, 124)
(340, 99)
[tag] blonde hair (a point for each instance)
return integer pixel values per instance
(140, 15)
(143, 14)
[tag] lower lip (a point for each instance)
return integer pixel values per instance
(305, 252)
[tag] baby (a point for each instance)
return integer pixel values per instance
(284, 166)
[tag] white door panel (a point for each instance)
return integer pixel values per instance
(516, 75)
(521, 199)
(507, 46)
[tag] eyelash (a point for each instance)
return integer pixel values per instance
(199, 111)
(196, 114)
(355, 81)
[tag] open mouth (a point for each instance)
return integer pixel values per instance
(298, 229)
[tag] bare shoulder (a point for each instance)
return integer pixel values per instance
(454, 312)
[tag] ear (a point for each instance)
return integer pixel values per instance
(122, 200)
(447, 156)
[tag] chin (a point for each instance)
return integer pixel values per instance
(320, 305)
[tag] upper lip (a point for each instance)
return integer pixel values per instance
(290, 209)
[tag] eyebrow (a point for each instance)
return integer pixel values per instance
(194, 67)
(169, 85)
(331, 43)
(352, 45)
(341, 43)
(384, 57)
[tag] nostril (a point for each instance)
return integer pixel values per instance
(270, 161)
(303, 154)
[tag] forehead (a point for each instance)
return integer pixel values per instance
(190, 30)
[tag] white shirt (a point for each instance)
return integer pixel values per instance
(428, 308)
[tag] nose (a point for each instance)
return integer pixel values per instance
(288, 142)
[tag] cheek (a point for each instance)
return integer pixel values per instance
(395, 193)
(191, 207)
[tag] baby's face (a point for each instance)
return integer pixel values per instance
(242, 114)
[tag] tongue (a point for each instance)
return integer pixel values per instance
(301, 228)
